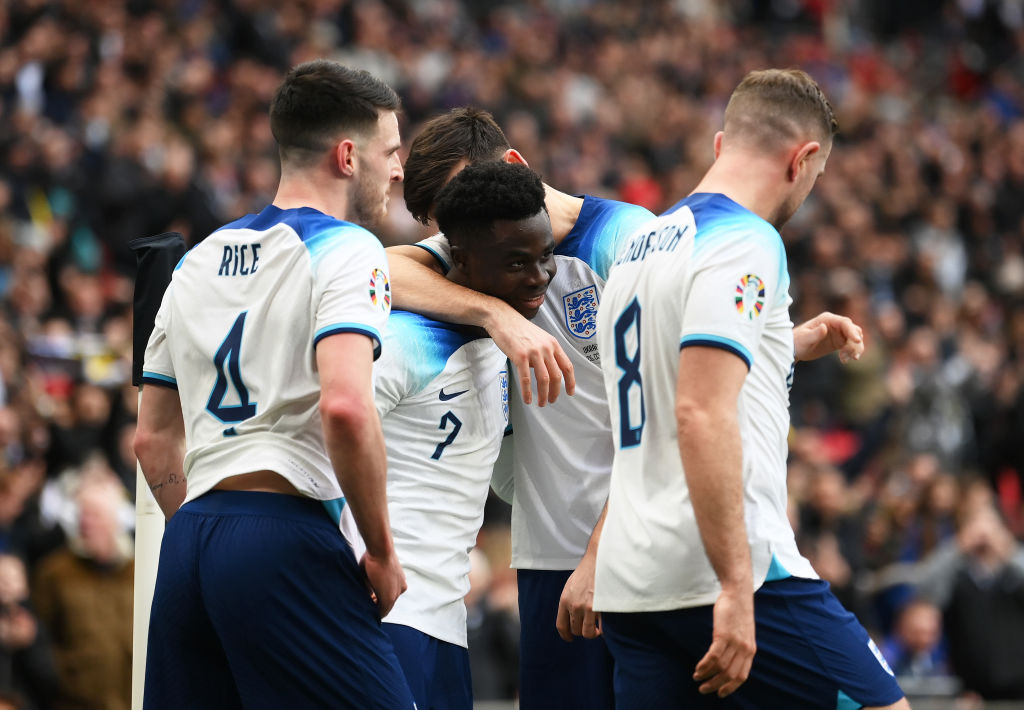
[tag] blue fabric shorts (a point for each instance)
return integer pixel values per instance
(437, 671)
(553, 673)
(811, 653)
(259, 603)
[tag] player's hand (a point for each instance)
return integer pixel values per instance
(727, 663)
(576, 615)
(825, 333)
(386, 580)
(531, 349)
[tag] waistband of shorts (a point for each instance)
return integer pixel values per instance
(279, 505)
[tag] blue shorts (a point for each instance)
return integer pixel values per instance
(554, 673)
(259, 603)
(811, 653)
(437, 671)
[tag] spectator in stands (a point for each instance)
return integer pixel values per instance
(83, 594)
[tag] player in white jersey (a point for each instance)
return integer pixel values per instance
(698, 363)
(562, 452)
(258, 405)
(442, 391)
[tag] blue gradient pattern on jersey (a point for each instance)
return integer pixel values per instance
(601, 228)
(318, 231)
(717, 217)
(425, 344)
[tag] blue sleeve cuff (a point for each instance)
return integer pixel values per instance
(337, 328)
(154, 378)
(716, 341)
(444, 264)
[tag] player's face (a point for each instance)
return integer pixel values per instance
(804, 184)
(517, 265)
(379, 166)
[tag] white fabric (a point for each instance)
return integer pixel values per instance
(312, 276)
(707, 273)
(562, 452)
(435, 380)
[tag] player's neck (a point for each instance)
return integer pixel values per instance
(754, 182)
(304, 190)
(563, 209)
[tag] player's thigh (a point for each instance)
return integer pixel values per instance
(554, 673)
(653, 670)
(185, 663)
(813, 653)
(437, 671)
(290, 606)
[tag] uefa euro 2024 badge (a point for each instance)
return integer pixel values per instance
(581, 312)
(750, 296)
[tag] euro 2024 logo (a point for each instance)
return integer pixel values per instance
(750, 296)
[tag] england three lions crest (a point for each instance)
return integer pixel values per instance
(581, 312)
(503, 383)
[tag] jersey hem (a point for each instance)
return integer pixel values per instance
(454, 639)
(558, 565)
(630, 606)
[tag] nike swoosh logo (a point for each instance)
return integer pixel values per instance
(445, 397)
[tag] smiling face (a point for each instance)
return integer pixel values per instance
(515, 265)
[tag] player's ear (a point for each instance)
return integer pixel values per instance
(514, 157)
(800, 158)
(344, 155)
(458, 257)
(718, 144)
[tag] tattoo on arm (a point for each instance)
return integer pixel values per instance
(172, 480)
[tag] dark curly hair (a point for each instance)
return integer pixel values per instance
(480, 194)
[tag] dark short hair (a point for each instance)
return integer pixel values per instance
(772, 106)
(468, 133)
(320, 100)
(469, 205)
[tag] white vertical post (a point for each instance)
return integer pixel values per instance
(149, 531)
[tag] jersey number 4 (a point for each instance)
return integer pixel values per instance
(629, 436)
(228, 364)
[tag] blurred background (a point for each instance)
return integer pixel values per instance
(125, 118)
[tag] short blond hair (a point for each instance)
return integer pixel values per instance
(773, 107)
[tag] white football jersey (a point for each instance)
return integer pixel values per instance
(442, 395)
(236, 333)
(711, 273)
(563, 451)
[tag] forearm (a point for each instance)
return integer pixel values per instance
(355, 444)
(711, 451)
(161, 457)
(595, 536)
(420, 289)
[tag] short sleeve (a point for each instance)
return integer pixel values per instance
(624, 223)
(352, 282)
(439, 248)
(734, 281)
(390, 381)
(159, 368)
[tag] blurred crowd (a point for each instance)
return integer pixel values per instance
(125, 118)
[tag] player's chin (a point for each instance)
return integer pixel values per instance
(529, 307)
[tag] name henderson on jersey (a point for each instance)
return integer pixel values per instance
(668, 238)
